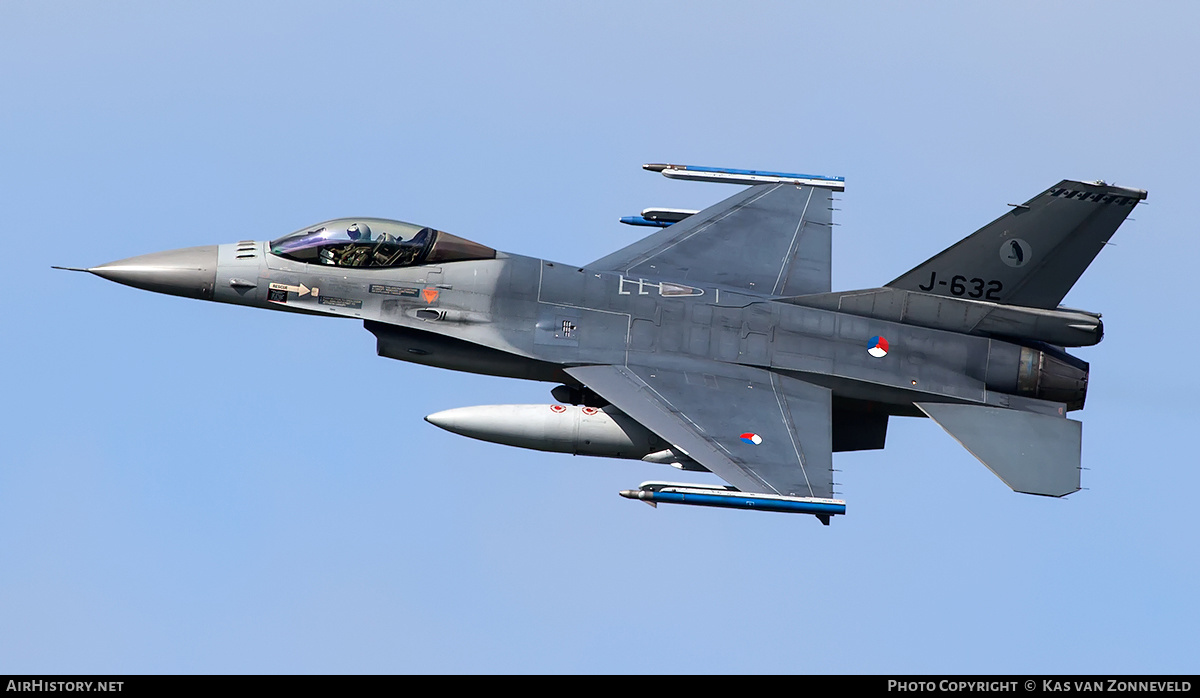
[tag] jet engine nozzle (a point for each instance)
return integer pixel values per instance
(190, 272)
(1059, 378)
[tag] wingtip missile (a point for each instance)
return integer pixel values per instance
(727, 175)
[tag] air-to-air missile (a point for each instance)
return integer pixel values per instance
(654, 493)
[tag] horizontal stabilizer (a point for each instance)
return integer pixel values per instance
(1031, 453)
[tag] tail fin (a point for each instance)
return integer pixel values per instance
(1032, 255)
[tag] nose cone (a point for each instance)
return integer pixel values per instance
(478, 422)
(450, 420)
(190, 272)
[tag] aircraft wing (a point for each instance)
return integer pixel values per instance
(716, 412)
(769, 238)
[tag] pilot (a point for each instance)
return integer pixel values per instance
(359, 232)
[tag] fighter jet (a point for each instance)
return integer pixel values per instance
(716, 343)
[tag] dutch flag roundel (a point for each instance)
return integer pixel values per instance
(751, 438)
(877, 347)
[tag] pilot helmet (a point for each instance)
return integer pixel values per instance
(359, 232)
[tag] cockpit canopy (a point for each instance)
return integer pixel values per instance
(375, 242)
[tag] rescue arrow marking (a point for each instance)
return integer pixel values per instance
(301, 290)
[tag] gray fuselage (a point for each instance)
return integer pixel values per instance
(527, 318)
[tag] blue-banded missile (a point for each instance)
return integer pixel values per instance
(641, 220)
(667, 215)
(728, 175)
(729, 498)
(660, 217)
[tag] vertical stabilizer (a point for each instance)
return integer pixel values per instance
(1033, 254)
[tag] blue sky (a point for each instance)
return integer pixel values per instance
(191, 487)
